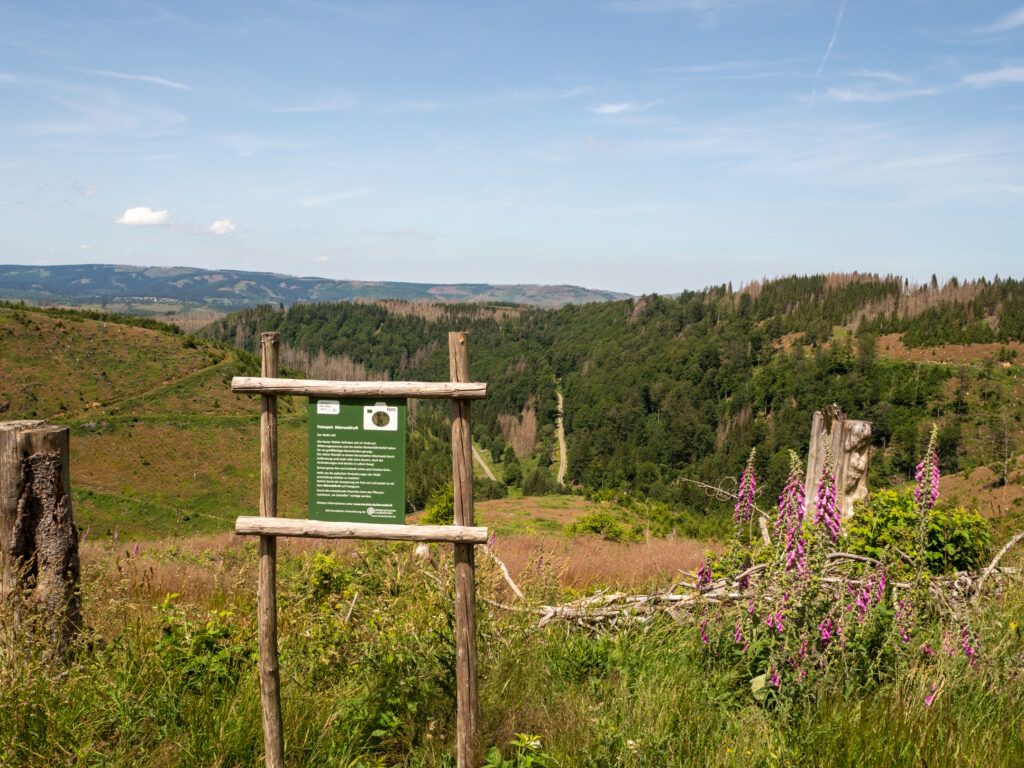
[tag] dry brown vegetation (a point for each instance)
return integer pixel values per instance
(891, 347)
(587, 562)
(435, 312)
(521, 432)
(330, 367)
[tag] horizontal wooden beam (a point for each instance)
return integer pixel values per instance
(322, 529)
(450, 390)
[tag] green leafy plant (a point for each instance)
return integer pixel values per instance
(957, 538)
(526, 752)
(206, 654)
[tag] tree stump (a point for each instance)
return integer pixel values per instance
(849, 442)
(38, 538)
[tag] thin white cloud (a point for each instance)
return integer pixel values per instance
(152, 79)
(1012, 20)
(1002, 76)
(662, 6)
(550, 94)
(623, 107)
(318, 200)
(222, 227)
(875, 96)
(84, 247)
(713, 68)
(334, 102)
(142, 217)
(881, 74)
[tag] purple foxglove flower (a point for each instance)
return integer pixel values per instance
(970, 652)
(790, 519)
(704, 574)
(926, 487)
(745, 494)
(826, 510)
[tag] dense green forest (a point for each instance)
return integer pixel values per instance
(658, 388)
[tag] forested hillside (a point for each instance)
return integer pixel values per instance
(659, 388)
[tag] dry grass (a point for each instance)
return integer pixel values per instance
(980, 487)
(892, 348)
(586, 562)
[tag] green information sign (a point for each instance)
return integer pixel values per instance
(357, 460)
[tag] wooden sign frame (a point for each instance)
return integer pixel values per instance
(463, 534)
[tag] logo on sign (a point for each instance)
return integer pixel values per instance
(380, 417)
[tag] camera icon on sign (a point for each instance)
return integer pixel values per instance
(380, 417)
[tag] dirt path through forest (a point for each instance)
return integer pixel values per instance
(483, 464)
(563, 455)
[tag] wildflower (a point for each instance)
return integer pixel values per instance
(926, 491)
(970, 652)
(774, 678)
(704, 574)
(492, 537)
(745, 495)
(737, 635)
(870, 593)
(792, 505)
(826, 511)
(826, 629)
(927, 650)
(931, 696)
(774, 621)
(704, 629)
(903, 610)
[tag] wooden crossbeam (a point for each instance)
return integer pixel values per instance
(427, 390)
(322, 529)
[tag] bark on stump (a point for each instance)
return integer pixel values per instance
(38, 538)
(849, 441)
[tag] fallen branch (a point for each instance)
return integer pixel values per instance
(504, 572)
(995, 562)
(950, 593)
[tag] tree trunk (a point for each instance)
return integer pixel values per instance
(38, 538)
(849, 443)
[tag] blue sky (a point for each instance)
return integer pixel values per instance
(637, 145)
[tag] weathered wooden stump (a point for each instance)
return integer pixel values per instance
(849, 442)
(38, 539)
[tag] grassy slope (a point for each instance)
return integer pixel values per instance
(159, 444)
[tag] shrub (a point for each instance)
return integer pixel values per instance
(607, 526)
(958, 539)
(440, 509)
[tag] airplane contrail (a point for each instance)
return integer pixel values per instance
(828, 50)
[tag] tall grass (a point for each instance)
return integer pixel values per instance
(368, 679)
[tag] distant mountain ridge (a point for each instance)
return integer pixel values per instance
(229, 289)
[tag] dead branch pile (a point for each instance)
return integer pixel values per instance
(950, 594)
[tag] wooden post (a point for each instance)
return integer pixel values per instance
(848, 441)
(37, 530)
(270, 673)
(467, 699)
